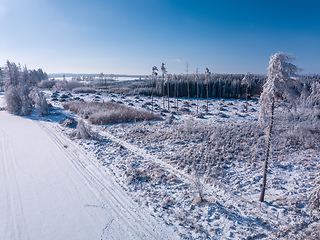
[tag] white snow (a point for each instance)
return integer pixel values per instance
(136, 180)
(51, 190)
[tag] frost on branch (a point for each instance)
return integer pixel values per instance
(280, 84)
(314, 201)
(17, 100)
(18, 86)
(40, 102)
(82, 131)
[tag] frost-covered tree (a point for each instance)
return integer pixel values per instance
(82, 131)
(279, 86)
(188, 84)
(18, 85)
(154, 76)
(12, 73)
(39, 102)
(314, 97)
(1, 79)
(207, 74)
(164, 71)
(196, 79)
(17, 100)
(13, 100)
(246, 81)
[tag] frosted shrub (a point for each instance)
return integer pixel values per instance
(67, 85)
(314, 200)
(109, 113)
(82, 131)
(47, 84)
(68, 122)
(198, 187)
(84, 90)
(17, 100)
(18, 86)
(40, 102)
(304, 135)
(13, 100)
(148, 172)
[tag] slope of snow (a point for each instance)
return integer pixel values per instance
(49, 189)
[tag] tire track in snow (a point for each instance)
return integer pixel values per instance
(9, 220)
(16, 216)
(103, 187)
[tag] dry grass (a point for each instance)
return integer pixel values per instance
(109, 113)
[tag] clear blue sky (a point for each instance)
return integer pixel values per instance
(131, 36)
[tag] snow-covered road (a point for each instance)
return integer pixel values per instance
(49, 189)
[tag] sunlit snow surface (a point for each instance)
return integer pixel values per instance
(156, 163)
(50, 189)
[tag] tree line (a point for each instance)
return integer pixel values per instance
(196, 85)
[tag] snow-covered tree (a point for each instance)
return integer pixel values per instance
(279, 86)
(154, 76)
(164, 71)
(188, 84)
(196, 79)
(39, 102)
(18, 85)
(13, 100)
(1, 79)
(207, 74)
(82, 131)
(12, 74)
(246, 81)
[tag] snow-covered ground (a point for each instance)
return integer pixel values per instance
(149, 176)
(51, 189)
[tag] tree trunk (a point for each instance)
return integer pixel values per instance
(162, 90)
(197, 96)
(264, 181)
(247, 97)
(188, 93)
(152, 93)
(168, 86)
(177, 95)
(207, 94)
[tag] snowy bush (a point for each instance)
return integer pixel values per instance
(17, 100)
(13, 100)
(108, 113)
(84, 90)
(82, 131)
(67, 85)
(68, 122)
(47, 84)
(19, 96)
(314, 200)
(39, 102)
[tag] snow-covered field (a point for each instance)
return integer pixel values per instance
(51, 189)
(146, 180)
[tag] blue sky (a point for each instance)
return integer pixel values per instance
(131, 36)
